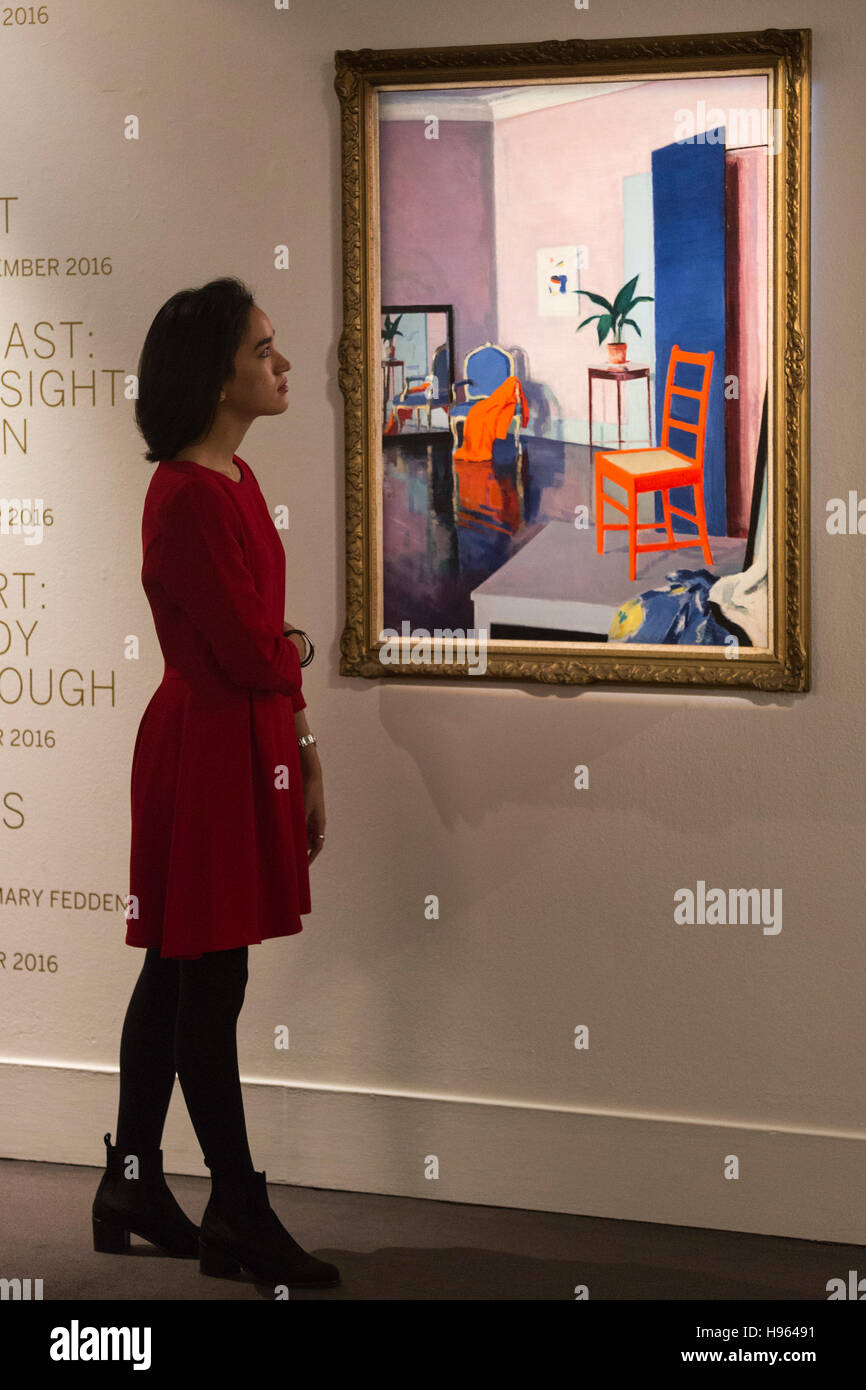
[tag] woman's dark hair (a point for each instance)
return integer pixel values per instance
(188, 354)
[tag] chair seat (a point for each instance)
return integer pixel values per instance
(417, 399)
(637, 462)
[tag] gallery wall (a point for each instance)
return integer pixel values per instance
(150, 146)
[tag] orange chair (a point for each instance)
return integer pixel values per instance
(659, 470)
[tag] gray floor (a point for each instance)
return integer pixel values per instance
(402, 1248)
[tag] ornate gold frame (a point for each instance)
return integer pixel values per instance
(785, 55)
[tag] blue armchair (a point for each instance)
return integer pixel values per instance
(484, 368)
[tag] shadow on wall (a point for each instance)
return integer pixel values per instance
(543, 405)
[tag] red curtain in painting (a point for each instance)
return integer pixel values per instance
(746, 324)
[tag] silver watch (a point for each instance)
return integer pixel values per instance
(306, 739)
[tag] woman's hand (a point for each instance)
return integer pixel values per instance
(314, 810)
(314, 792)
(297, 642)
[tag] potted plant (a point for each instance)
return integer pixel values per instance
(390, 331)
(614, 318)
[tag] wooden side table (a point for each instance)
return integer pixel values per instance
(629, 371)
(389, 385)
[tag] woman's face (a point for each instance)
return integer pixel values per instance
(258, 386)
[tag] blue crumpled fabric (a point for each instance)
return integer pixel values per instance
(678, 613)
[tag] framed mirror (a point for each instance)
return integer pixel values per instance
(417, 368)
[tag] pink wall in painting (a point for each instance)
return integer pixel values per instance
(437, 223)
(462, 218)
(746, 345)
(558, 174)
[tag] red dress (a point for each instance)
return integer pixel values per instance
(218, 854)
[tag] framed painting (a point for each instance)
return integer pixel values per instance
(574, 361)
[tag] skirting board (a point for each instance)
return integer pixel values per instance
(793, 1183)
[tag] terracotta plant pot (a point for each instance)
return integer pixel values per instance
(617, 353)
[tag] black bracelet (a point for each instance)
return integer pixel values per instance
(311, 652)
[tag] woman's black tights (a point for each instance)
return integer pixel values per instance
(183, 1017)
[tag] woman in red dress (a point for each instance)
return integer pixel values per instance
(226, 787)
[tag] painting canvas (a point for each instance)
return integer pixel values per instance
(582, 444)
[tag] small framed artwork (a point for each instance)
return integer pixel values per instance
(574, 361)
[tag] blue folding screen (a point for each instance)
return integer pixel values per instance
(689, 247)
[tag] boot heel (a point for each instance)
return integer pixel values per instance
(109, 1240)
(215, 1263)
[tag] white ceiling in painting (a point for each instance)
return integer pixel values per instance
(486, 103)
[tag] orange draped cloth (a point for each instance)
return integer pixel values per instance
(489, 419)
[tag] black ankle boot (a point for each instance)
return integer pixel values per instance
(143, 1205)
(240, 1229)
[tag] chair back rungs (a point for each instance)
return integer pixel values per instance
(701, 394)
